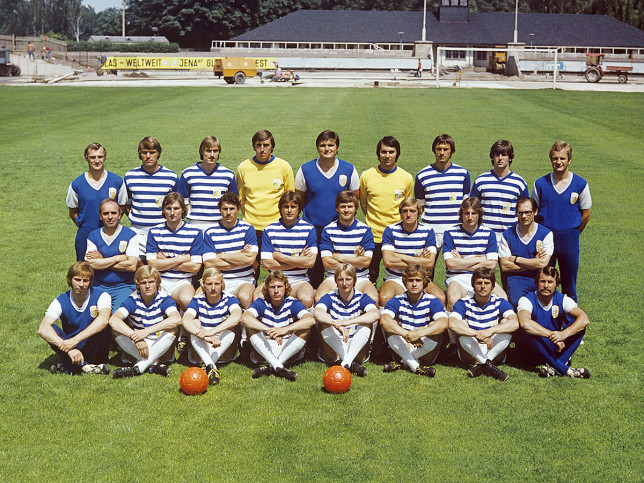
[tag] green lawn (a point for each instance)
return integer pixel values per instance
(388, 426)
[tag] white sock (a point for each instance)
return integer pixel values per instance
(202, 348)
(501, 342)
(209, 354)
(263, 348)
(156, 349)
(356, 343)
(334, 340)
(128, 346)
(292, 346)
(399, 345)
(472, 347)
(428, 346)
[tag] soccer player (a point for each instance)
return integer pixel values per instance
(404, 243)
(151, 328)
(146, 187)
(382, 189)
(484, 324)
(345, 317)
(278, 326)
(318, 182)
(174, 249)
(211, 320)
(467, 247)
(87, 191)
(524, 248)
(203, 184)
(441, 187)
(262, 180)
(564, 207)
(499, 189)
(414, 322)
(81, 341)
(113, 253)
(290, 245)
(553, 327)
(347, 240)
(231, 247)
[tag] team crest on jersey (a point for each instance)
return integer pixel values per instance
(93, 311)
(398, 194)
(158, 202)
(453, 197)
(112, 193)
(555, 311)
(539, 244)
(573, 198)
(216, 194)
(277, 183)
(506, 207)
(122, 246)
(343, 180)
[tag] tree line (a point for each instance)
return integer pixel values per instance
(195, 23)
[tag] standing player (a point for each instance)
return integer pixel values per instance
(382, 189)
(554, 327)
(290, 245)
(499, 189)
(441, 187)
(203, 184)
(344, 318)
(87, 191)
(467, 247)
(414, 322)
(278, 326)
(262, 180)
(524, 249)
(231, 247)
(151, 328)
(484, 324)
(146, 187)
(211, 320)
(564, 207)
(347, 240)
(404, 243)
(318, 182)
(113, 253)
(174, 249)
(82, 341)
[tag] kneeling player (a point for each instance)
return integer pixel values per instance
(483, 323)
(413, 323)
(278, 326)
(211, 320)
(81, 341)
(345, 317)
(554, 327)
(152, 325)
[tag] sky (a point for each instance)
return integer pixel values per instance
(100, 5)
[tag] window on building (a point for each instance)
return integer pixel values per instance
(446, 3)
(463, 3)
(454, 3)
(481, 55)
(455, 54)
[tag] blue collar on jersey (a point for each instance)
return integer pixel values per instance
(263, 164)
(200, 166)
(385, 171)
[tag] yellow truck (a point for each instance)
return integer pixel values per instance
(234, 70)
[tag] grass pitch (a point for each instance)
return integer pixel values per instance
(388, 426)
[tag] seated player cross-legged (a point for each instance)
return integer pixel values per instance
(151, 328)
(277, 326)
(211, 319)
(484, 323)
(552, 327)
(414, 322)
(82, 340)
(345, 317)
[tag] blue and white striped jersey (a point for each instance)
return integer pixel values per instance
(395, 238)
(480, 318)
(187, 239)
(346, 240)
(481, 242)
(289, 241)
(288, 313)
(145, 193)
(338, 309)
(219, 239)
(139, 316)
(210, 316)
(413, 317)
(203, 190)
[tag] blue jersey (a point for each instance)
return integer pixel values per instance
(481, 242)
(219, 239)
(482, 317)
(145, 192)
(395, 238)
(286, 314)
(561, 211)
(512, 244)
(346, 240)
(118, 245)
(499, 198)
(414, 316)
(75, 319)
(289, 241)
(203, 190)
(87, 198)
(442, 192)
(186, 239)
(139, 315)
(210, 316)
(338, 309)
(555, 316)
(321, 190)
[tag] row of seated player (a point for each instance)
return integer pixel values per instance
(278, 326)
(562, 198)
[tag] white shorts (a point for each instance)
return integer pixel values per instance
(397, 280)
(203, 225)
(169, 286)
(276, 349)
(293, 281)
(359, 280)
(142, 232)
(464, 280)
(233, 284)
(439, 240)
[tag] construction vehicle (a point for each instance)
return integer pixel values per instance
(595, 69)
(234, 70)
(496, 64)
(6, 67)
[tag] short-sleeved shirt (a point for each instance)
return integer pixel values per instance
(139, 315)
(346, 240)
(414, 316)
(210, 316)
(481, 242)
(145, 193)
(219, 239)
(338, 309)
(555, 316)
(75, 319)
(123, 242)
(186, 239)
(398, 240)
(482, 317)
(512, 244)
(560, 210)
(291, 241)
(86, 196)
(202, 190)
(290, 311)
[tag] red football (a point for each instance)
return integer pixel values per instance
(337, 379)
(194, 380)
